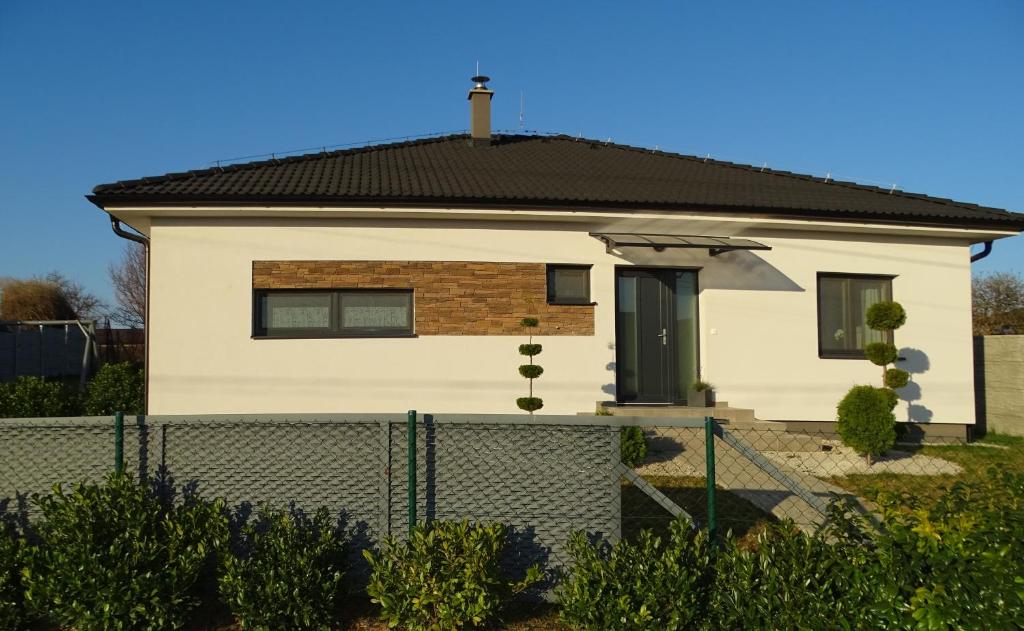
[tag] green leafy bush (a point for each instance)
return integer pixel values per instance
(27, 397)
(701, 386)
(866, 422)
(647, 584)
(118, 555)
(959, 562)
(115, 388)
(885, 316)
(12, 605)
(446, 576)
(956, 564)
(896, 378)
(289, 575)
(632, 446)
(881, 353)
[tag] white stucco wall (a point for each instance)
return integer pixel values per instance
(758, 319)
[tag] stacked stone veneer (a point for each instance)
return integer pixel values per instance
(450, 297)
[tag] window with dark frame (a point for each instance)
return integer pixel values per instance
(569, 284)
(843, 301)
(332, 313)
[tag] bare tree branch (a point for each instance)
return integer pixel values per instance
(129, 280)
(998, 303)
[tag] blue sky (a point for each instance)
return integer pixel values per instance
(926, 95)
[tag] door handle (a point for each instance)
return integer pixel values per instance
(664, 337)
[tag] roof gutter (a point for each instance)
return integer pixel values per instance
(984, 252)
(115, 225)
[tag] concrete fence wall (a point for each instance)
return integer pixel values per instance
(999, 383)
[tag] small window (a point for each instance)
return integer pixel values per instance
(569, 284)
(334, 313)
(843, 301)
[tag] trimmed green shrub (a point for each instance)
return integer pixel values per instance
(632, 446)
(445, 576)
(289, 575)
(115, 388)
(118, 555)
(27, 397)
(896, 378)
(885, 316)
(12, 601)
(530, 404)
(530, 350)
(647, 584)
(701, 386)
(891, 398)
(530, 371)
(866, 422)
(881, 353)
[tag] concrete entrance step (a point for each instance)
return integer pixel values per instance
(721, 412)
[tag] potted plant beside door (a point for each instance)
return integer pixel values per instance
(699, 395)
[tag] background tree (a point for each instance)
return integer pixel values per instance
(997, 300)
(129, 280)
(54, 297)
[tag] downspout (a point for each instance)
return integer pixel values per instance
(115, 225)
(984, 252)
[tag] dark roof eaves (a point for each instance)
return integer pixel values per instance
(1012, 221)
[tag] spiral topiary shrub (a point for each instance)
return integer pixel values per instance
(896, 378)
(885, 316)
(530, 371)
(866, 422)
(881, 353)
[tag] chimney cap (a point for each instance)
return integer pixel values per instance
(480, 81)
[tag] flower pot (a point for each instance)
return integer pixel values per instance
(698, 398)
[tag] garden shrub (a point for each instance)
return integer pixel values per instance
(12, 606)
(115, 388)
(866, 422)
(445, 576)
(530, 371)
(896, 378)
(27, 397)
(632, 446)
(118, 555)
(646, 584)
(288, 574)
(885, 316)
(881, 353)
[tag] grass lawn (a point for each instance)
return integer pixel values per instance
(1005, 453)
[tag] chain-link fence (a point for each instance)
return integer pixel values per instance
(545, 476)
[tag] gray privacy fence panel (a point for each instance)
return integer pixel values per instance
(35, 454)
(40, 351)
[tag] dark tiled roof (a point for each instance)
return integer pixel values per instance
(547, 171)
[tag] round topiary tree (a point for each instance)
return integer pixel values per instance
(530, 371)
(866, 422)
(866, 419)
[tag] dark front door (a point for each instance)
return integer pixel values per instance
(655, 334)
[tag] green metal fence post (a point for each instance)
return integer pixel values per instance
(411, 431)
(119, 442)
(709, 456)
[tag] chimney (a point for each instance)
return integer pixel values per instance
(480, 111)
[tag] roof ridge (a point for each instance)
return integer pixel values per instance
(256, 164)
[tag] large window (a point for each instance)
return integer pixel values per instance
(333, 313)
(569, 284)
(843, 301)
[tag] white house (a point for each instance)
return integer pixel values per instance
(395, 276)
